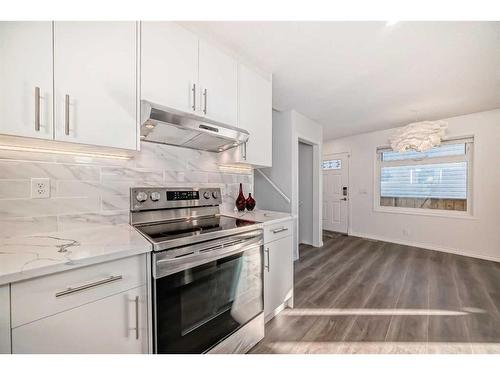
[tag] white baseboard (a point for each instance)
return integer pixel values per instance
(425, 246)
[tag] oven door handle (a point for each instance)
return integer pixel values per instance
(165, 267)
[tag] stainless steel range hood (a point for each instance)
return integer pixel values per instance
(161, 124)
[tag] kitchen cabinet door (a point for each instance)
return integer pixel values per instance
(255, 116)
(278, 275)
(26, 79)
(95, 83)
(218, 85)
(169, 65)
(4, 319)
(116, 324)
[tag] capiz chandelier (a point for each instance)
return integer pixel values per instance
(418, 136)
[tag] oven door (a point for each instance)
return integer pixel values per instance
(198, 306)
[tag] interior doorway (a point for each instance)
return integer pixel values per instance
(306, 192)
(335, 169)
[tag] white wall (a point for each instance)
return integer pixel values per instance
(290, 127)
(477, 236)
(306, 194)
(307, 131)
(95, 191)
(266, 197)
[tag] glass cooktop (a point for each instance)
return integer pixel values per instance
(192, 227)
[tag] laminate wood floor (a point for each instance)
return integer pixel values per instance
(359, 296)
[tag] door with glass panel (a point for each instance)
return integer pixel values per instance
(335, 192)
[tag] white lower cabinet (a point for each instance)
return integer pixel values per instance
(278, 271)
(4, 319)
(116, 324)
(101, 308)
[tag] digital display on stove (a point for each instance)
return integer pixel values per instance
(182, 195)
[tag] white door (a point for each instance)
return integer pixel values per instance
(335, 192)
(169, 65)
(26, 93)
(95, 83)
(109, 325)
(218, 85)
(278, 273)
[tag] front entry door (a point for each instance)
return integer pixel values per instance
(335, 192)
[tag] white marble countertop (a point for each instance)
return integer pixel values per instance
(260, 216)
(26, 257)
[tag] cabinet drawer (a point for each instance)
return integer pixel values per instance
(274, 232)
(116, 324)
(48, 295)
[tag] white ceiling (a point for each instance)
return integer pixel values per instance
(355, 77)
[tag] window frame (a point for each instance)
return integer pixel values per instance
(468, 157)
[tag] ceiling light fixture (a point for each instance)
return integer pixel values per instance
(391, 23)
(419, 136)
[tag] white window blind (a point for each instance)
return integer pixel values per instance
(440, 174)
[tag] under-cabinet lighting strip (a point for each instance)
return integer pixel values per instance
(61, 152)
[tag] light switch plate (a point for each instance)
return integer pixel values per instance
(40, 188)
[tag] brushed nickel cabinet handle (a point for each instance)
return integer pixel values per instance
(88, 286)
(66, 115)
(137, 317)
(205, 96)
(37, 109)
(244, 151)
(279, 230)
(267, 256)
(193, 90)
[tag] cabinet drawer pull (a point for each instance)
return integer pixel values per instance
(88, 286)
(66, 115)
(137, 317)
(37, 109)
(284, 229)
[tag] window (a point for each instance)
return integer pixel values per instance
(438, 179)
(332, 164)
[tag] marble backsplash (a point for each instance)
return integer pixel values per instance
(87, 191)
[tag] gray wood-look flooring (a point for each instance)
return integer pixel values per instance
(359, 296)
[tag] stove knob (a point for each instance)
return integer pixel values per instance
(141, 196)
(155, 196)
(206, 195)
(215, 195)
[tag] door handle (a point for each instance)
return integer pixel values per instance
(343, 199)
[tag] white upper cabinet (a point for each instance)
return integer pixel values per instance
(169, 65)
(218, 85)
(95, 81)
(255, 116)
(26, 79)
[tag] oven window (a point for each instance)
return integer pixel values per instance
(199, 307)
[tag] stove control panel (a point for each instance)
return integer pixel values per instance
(154, 198)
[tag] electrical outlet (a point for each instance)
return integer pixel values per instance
(40, 187)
